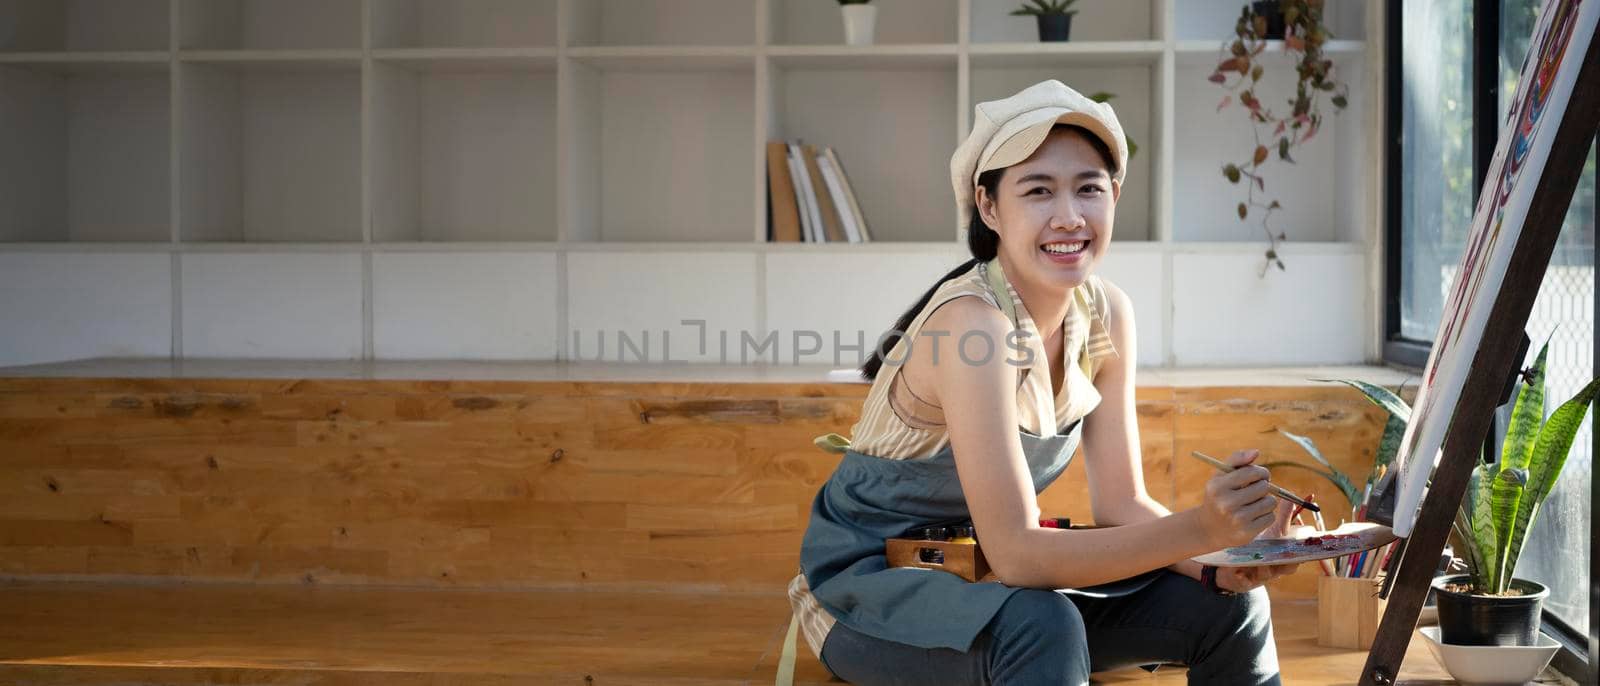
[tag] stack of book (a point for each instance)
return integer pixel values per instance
(809, 198)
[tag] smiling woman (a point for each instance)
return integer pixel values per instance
(972, 438)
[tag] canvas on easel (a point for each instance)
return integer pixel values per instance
(1537, 160)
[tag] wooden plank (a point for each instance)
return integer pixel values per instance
(146, 431)
(439, 434)
(64, 533)
(689, 436)
(691, 518)
(86, 482)
(661, 490)
(62, 506)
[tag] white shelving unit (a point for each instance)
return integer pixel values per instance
(615, 129)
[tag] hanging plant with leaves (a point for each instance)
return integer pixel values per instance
(1276, 132)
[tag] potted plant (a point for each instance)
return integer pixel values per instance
(860, 18)
(1272, 10)
(1054, 17)
(1488, 605)
(1240, 71)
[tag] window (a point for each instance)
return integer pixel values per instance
(1437, 190)
(1456, 67)
(1557, 551)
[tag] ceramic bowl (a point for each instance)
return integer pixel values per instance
(1491, 665)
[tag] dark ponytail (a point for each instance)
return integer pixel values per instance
(982, 242)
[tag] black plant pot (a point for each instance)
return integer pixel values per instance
(1054, 27)
(1273, 11)
(1481, 620)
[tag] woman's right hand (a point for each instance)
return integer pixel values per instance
(1237, 505)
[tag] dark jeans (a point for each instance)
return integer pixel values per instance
(1044, 637)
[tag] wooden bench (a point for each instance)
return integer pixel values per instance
(461, 522)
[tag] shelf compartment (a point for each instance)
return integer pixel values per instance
(270, 151)
(88, 155)
(893, 128)
(660, 151)
(805, 22)
(1214, 19)
(83, 25)
(463, 23)
(269, 24)
(662, 22)
(1322, 193)
(1096, 20)
(464, 150)
(996, 76)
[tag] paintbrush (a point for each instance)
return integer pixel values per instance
(1275, 489)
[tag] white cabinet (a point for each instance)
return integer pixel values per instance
(633, 306)
(1312, 313)
(272, 305)
(67, 306)
(484, 306)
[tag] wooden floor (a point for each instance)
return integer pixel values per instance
(81, 633)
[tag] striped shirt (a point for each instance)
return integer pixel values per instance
(896, 424)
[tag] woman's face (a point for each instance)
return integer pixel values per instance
(1054, 211)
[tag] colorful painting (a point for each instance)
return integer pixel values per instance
(1307, 547)
(1548, 75)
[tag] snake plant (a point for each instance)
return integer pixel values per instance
(1503, 498)
(1503, 495)
(1393, 431)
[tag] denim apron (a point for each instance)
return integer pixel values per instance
(870, 498)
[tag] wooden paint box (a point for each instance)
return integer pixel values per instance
(1348, 611)
(961, 559)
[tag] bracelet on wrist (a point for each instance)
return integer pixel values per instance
(1208, 578)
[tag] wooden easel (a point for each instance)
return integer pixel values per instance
(1495, 359)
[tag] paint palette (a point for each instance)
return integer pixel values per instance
(1306, 547)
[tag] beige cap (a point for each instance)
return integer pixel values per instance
(1006, 131)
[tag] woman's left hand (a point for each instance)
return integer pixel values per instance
(1243, 579)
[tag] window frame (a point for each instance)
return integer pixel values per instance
(1578, 650)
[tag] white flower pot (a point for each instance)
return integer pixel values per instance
(859, 21)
